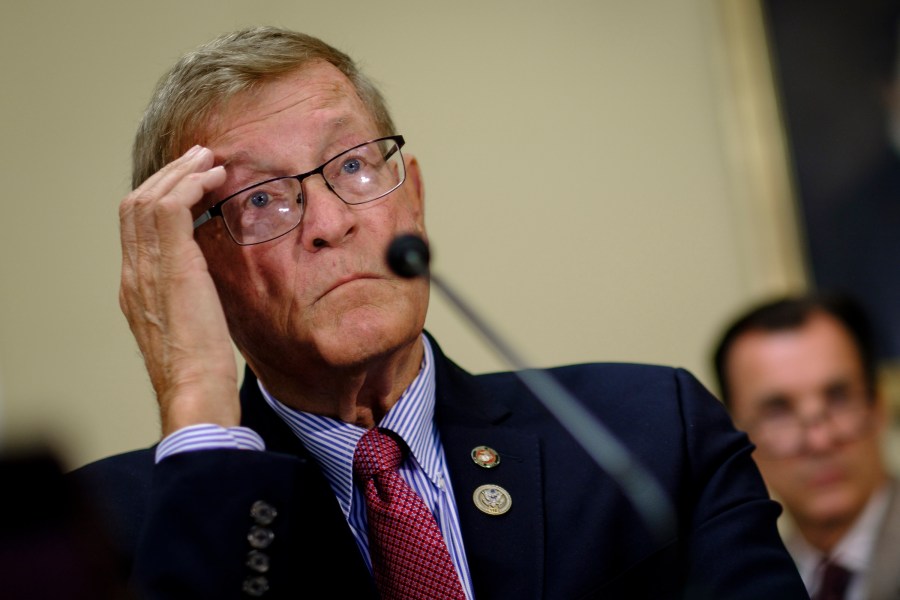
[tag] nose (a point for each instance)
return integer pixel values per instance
(327, 220)
(818, 433)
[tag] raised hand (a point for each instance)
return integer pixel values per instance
(170, 299)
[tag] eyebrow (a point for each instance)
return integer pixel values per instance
(242, 158)
(773, 399)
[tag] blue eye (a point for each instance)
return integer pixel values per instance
(352, 166)
(260, 199)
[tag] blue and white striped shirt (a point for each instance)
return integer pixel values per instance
(332, 443)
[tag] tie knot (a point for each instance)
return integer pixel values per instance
(376, 452)
(834, 582)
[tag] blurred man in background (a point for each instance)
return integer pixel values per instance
(799, 375)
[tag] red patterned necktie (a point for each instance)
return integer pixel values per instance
(835, 580)
(409, 555)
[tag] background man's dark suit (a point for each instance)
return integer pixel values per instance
(188, 518)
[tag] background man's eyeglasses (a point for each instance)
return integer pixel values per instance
(272, 208)
(782, 433)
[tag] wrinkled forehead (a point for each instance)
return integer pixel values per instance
(318, 89)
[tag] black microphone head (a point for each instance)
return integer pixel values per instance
(408, 256)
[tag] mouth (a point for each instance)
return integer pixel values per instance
(826, 477)
(347, 279)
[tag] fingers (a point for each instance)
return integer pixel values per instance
(155, 220)
(163, 181)
(169, 193)
(169, 188)
(169, 298)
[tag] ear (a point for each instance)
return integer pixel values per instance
(416, 190)
(881, 412)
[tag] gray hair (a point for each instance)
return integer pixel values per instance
(205, 80)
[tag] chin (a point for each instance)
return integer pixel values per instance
(836, 507)
(364, 334)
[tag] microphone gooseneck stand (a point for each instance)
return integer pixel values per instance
(409, 256)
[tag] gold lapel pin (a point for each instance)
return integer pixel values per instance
(485, 456)
(492, 499)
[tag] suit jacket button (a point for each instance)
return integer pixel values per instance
(260, 537)
(256, 586)
(263, 512)
(258, 561)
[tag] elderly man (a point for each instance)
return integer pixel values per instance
(269, 182)
(799, 375)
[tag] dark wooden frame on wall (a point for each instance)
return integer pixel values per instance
(833, 64)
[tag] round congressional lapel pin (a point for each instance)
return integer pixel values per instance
(492, 499)
(485, 456)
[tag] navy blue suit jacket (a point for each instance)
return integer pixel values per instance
(569, 534)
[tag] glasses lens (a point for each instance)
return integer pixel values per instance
(264, 212)
(367, 172)
(785, 434)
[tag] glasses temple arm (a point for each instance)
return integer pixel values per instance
(394, 149)
(203, 219)
(214, 211)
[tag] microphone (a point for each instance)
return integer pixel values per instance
(408, 256)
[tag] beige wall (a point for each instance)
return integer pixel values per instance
(581, 182)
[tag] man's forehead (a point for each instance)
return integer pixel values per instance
(316, 78)
(332, 133)
(317, 94)
(767, 364)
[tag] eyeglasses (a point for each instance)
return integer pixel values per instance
(779, 432)
(271, 208)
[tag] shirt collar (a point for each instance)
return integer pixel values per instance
(332, 441)
(854, 550)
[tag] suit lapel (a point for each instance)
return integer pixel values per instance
(499, 548)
